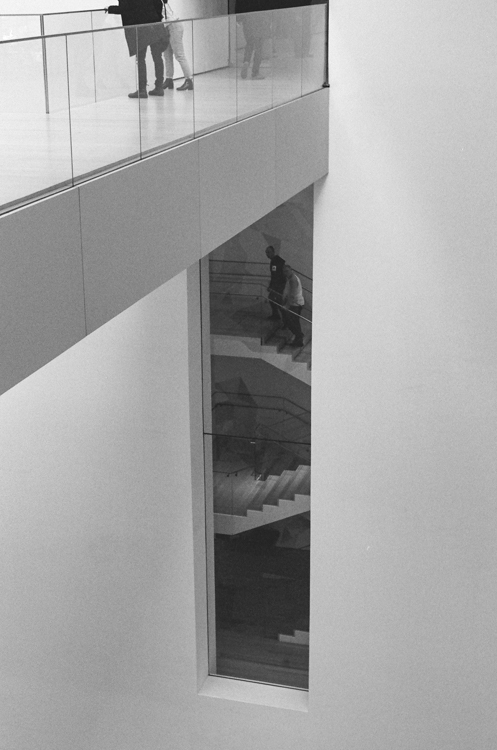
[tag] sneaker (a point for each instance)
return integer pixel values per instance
(138, 95)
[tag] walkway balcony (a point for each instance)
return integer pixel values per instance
(66, 115)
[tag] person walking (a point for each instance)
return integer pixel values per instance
(133, 13)
(176, 48)
(293, 300)
(276, 284)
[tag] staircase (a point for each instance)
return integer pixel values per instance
(240, 327)
(295, 364)
(267, 501)
(299, 638)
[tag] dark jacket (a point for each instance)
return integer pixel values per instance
(135, 12)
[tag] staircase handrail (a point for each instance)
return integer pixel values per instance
(256, 263)
(264, 296)
(272, 427)
(262, 395)
(254, 281)
(279, 441)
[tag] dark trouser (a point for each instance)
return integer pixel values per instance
(254, 45)
(276, 295)
(156, 50)
(293, 322)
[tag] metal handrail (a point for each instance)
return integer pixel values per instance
(278, 442)
(254, 263)
(263, 296)
(265, 395)
(257, 279)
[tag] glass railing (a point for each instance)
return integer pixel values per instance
(22, 25)
(76, 121)
(261, 558)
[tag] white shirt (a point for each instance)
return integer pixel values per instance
(293, 292)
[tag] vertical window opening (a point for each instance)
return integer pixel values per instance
(257, 334)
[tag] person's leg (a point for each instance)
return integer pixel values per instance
(142, 69)
(257, 56)
(169, 60)
(293, 323)
(273, 297)
(249, 48)
(176, 42)
(158, 64)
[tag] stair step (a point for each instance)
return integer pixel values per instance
(258, 499)
(289, 491)
(249, 496)
(299, 638)
(279, 488)
(303, 486)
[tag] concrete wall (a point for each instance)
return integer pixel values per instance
(95, 523)
(405, 437)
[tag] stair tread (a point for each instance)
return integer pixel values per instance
(299, 481)
(279, 488)
(258, 499)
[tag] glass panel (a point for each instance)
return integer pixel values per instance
(254, 63)
(215, 78)
(105, 132)
(81, 69)
(261, 550)
(168, 119)
(115, 69)
(19, 27)
(313, 48)
(102, 20)
(35, 150)
(287, 54)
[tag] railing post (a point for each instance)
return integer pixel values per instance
(326, 84)
(44, 57)
(93, 53)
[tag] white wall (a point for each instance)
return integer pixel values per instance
(405, 437)
(95, 525)
(99, 652)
